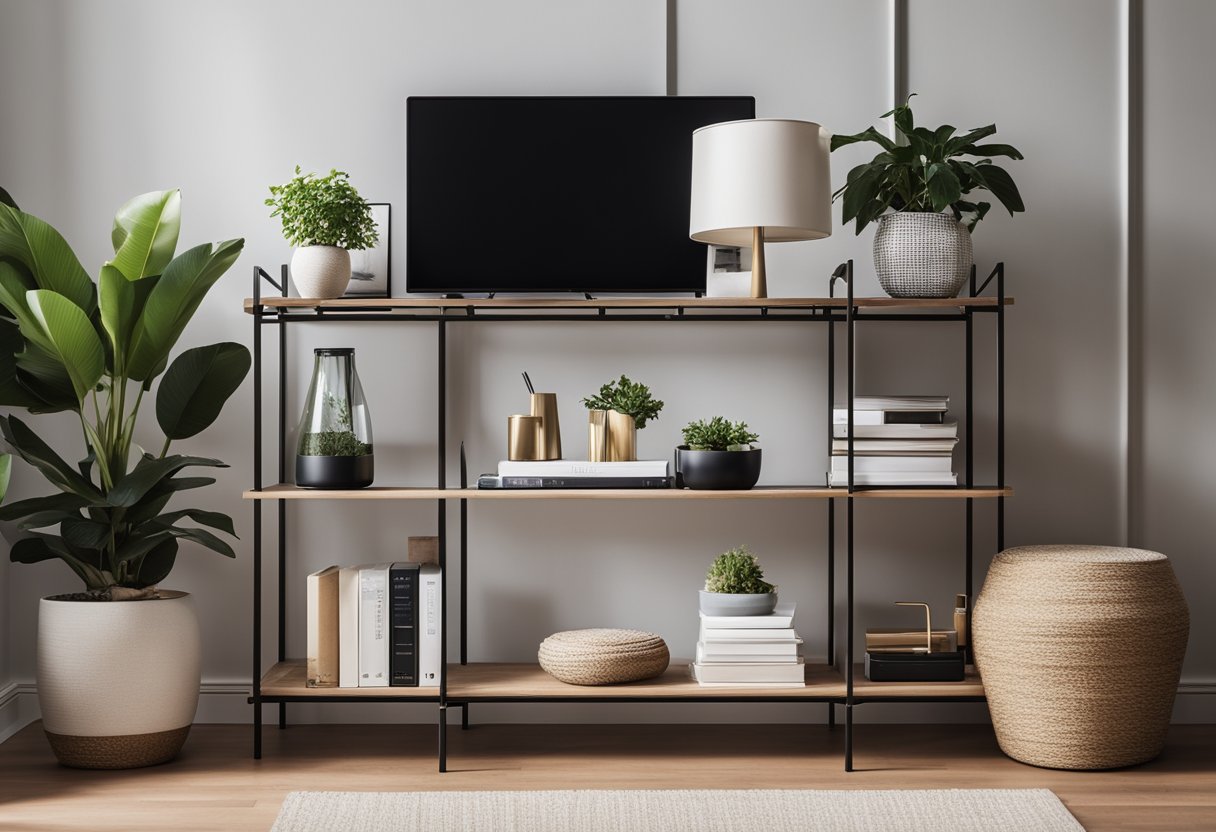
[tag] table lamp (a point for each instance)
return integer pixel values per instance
(760, 180)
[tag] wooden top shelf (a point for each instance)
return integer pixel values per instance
(285, 491)
(497, 681)
(463, 305)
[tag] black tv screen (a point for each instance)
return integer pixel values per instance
(555, 194)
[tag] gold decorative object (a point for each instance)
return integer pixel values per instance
(597, 435)
(523, 438)
(544, 405)
(622, 437)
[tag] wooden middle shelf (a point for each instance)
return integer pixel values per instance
(286, 491)
(503, 682)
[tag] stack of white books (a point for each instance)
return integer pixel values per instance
(897, 440)
(749, 651)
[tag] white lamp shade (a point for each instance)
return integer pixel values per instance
(771, 173)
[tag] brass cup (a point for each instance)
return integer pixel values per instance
(597, 435)
(622, 437)
(523, 438)
(544, 405)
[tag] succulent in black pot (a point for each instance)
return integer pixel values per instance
(718, 455)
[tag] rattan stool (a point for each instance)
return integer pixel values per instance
(603, 657)
(1080, 649)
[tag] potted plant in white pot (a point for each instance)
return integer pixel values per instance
(118, 664)
(326, 219)
(615, 415)
(917, 191)
(718, 455)
(735, 585)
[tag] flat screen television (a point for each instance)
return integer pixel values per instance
(555, 194)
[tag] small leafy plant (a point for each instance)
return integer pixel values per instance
(737, 572)
(629, 397)
(341, 441)
(718, 434)
(926, 173)
(323, 211)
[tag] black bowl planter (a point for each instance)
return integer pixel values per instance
(717, 470)
(335, 471)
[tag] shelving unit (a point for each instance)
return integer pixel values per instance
(839, 683)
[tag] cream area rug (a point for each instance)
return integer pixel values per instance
(944, 810)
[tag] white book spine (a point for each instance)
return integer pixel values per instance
(373, 627)
(840, 416)
(738, 647)
(430, 625)
(783, 635)
(348, 627)
(937, 464)
(707, 655)
(839, 479)
(782, 616)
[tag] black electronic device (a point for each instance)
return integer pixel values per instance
(555, 194)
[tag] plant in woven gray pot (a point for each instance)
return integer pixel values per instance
(917, 190)
(735, 585)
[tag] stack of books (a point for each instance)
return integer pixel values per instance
(377, 625)
(572, 473)
(750, 651)
(897, 440)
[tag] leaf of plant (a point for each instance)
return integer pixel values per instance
(7, 199)
(197, 385)
(50, 260)
(992, 150)
(186, 483)
(34, 505)
(12, 392)
(1000, 183)
(33, 450)
(214, 519)
(41, 547)
(128, 490)
(204, 538)
(72, 336)
(867, 135)
(955, 145)
(145, 233)
(156, 564)
(943, 185)
(942, 134)
(860, 192)
(87, 534)
(6, 472)
(138, 545)
(172, 303)
(116, 297)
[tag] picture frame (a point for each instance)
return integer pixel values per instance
(371, 269)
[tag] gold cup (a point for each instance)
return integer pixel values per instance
(523, 438)
(622, 437)
(544, 405)
(597, 435)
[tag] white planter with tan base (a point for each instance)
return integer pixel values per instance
(118, 681)
(320, 271)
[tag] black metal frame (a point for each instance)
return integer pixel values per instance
(265, 312)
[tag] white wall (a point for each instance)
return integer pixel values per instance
(103, 101)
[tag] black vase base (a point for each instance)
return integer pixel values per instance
(335, 472)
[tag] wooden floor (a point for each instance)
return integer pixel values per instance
(215, 785)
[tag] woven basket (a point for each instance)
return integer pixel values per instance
(1080, 649)
(918, 255)
(603, 657)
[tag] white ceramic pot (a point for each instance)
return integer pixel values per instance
(918, 255)
(320, 271)
(118, 681)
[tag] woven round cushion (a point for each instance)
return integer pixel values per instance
(1080, 649)
(603, 657)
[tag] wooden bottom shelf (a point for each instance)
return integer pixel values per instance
(524, 682)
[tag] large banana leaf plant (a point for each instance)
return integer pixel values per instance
(96, 350)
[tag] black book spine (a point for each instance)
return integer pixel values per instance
(403, 618)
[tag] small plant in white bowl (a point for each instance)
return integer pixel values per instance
(326, 219)
(735, 585)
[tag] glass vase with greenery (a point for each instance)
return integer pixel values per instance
(97, 350)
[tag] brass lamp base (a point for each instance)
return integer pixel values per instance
(759, 281)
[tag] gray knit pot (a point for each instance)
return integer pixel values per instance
(922, 255)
